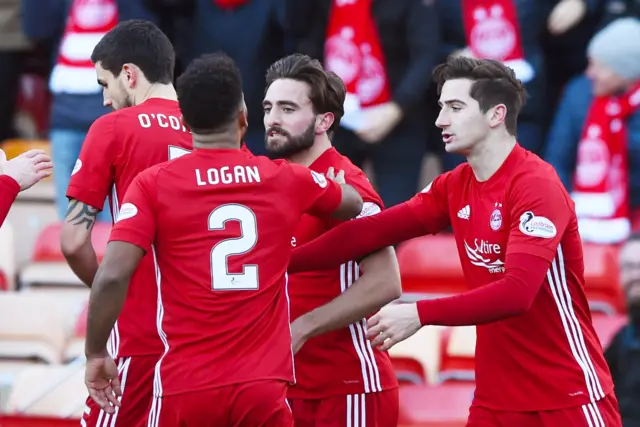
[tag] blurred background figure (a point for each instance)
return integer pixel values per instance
(384, 51)
(13, 46)
(623, 353)
(252, 32)
(72, 28)
(594, 141)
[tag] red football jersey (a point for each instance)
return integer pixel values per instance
(221, 222)
(343, 361)
(118, 146)
(549, 357)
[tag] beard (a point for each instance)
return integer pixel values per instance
(293, 144)
(126, 100)
(633, 302)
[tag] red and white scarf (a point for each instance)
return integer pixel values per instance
(87, 23)
(601, 182)
(229, 4)
(492, 32)
(353, 51)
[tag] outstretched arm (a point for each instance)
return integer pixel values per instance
(355, 239)
(379, 285)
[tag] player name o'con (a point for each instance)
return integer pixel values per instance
(228, 175)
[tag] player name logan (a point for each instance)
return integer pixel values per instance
(228, 175)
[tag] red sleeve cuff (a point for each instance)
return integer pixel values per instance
(10, 185)
(88, 197)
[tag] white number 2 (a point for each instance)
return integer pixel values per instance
(220, 276)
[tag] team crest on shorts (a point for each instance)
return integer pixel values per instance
(495, 221)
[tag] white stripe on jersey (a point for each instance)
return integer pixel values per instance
(368, 364)
(356, 410)
(558, 284)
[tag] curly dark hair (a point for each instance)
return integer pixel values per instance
(210, 92)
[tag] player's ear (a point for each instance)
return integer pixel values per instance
(497, 115)
(324, 122)
(130, 74)
(243, 122)
(184, 123)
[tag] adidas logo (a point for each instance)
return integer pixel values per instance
(464, 212)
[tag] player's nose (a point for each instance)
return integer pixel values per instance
(442, 121)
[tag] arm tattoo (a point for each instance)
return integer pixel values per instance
(79, 213)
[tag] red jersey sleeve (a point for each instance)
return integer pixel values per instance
(318, 195)
(92, 175)
(539, 214)
(9, 189)
(431, 206)
(137, 220)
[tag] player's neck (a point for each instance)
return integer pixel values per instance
(156, 90)
(487, 157)
(307, 157)
(226, 140)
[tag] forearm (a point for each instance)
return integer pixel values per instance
(9, 189)
(510, 296)
(105, 303)
(377, 287)
(355, 239)
(84, 263)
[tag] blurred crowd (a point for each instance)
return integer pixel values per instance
(569, 54)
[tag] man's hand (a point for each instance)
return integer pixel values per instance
(393, 323)
(379, 121)
(28, 168)
(566, 15)
(299, 334)
(339, 177)
(101, 379)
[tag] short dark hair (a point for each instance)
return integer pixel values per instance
(494, 83)
(138, 42)
(210, 92)
(327, 89)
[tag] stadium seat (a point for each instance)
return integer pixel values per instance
(30, 327)
(430, 266)
(48, 265)
(75, 345)
(607, 326)
(15, 147)
(54, 390)
(443, 405)
(33, 105)
(27, 219)
(601, 278)
(9, 369)
(458, 354)
(416, 359)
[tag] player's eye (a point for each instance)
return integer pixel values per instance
(287, 110)
(456, 108)
(267, 110)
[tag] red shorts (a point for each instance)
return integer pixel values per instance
(136, 378)
(600, 414)
(357, 410)
(252, 404)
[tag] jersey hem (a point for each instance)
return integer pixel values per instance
(314, 396)
(227, 384)
(503, 408)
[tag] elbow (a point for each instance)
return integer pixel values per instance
(351, 205)
(393, 288)
(72, 242)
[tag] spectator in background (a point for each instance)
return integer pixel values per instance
(508, 31)
(384, 51)
(13, 44)
(594, 141)
(623, 354)
(614, 9)
(74, 27)
(252, 32)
